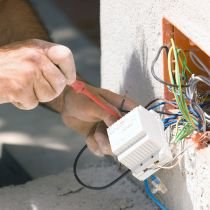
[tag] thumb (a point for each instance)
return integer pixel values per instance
(61, 56)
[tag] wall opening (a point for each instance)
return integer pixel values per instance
(183, 42)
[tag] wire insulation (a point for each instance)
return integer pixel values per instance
(94, 187)
(152, 197)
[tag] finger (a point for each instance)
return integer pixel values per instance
(101, 138)
(116, 100)
(52, 74)
(43, 90)
(77, 125)
(85, 109)
(23, 98)
(25, 105)
(104, 115)
(91, 143)
(26, 101)
(62, 56)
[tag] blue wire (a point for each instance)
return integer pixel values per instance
(193, 111)
(152, 197)
(169, 123)
(159, 104)
(165, 120)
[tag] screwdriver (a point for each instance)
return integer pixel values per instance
(79, 87)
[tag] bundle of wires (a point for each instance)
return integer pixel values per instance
(188, 116)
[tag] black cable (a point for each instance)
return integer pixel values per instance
(153, 70)
(124, 111)
(93, 187)
(159, 112)
(153, 101)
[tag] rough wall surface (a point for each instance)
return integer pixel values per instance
(62, 192)
(131, 35)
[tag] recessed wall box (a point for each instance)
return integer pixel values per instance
(182, 35)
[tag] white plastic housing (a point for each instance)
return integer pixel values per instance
(139, 142)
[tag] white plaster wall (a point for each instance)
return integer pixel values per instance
(130, 37)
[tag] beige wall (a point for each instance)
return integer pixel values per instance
(130, 37)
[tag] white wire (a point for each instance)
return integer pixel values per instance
(190, 94)
(193, 81)
(172, 166)
(181, 154)
(198, 63)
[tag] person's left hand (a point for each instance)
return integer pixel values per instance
(83, 115)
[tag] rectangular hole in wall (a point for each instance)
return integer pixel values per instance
(183, 42)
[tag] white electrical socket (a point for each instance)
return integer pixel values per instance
(139, 142)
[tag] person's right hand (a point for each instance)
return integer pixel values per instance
(34, 71)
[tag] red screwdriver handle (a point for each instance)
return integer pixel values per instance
(79, 87)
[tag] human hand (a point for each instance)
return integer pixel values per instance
(87, 118)
(34, 71)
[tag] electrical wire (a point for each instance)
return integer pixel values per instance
(151, 196)
(165, 113)
(166, 125)
(198, 63)
(94, 187)
(153, 70)
(194, 80)
(190, 93)
(163, 103)
(171, 166)
(191, 121)
(153, 101)
(180, 155)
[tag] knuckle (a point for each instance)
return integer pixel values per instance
(20, 86)
(33, 55)
(59, 84)
(17, 88)
(28, 71)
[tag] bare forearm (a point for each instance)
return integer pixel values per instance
(18, 22)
